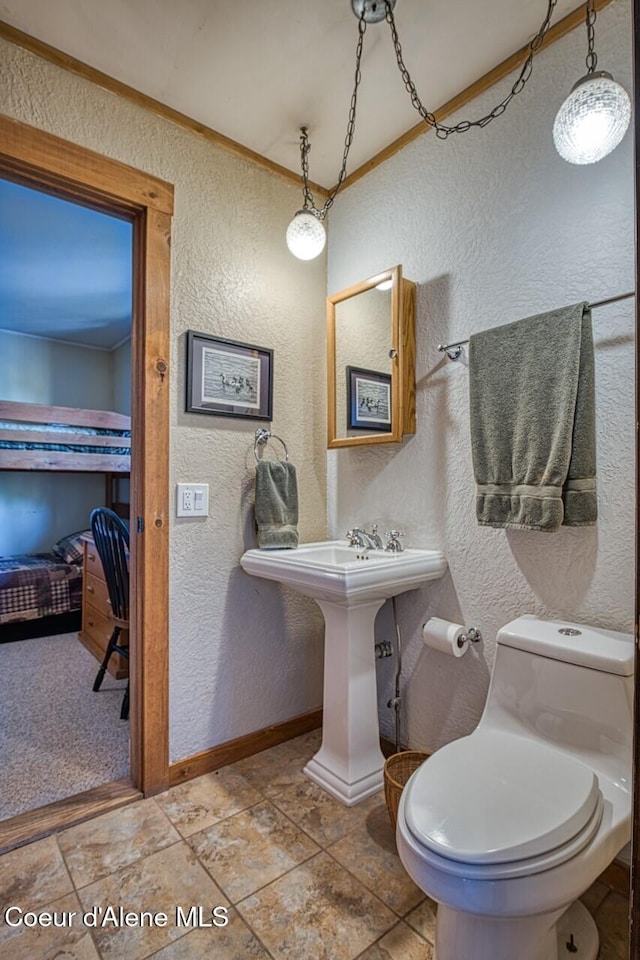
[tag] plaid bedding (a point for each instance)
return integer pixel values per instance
(38, 585)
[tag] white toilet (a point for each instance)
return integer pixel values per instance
(508, 827)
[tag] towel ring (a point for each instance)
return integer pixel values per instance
(262, 436)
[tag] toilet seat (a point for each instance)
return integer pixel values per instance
(500, 805)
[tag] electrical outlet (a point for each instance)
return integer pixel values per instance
(192, 500)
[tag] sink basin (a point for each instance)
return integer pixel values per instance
(332, 570)
(349, 585)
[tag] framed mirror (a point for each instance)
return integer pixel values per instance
(371, 361)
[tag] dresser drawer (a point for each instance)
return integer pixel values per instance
(97, 594)
(96, 633)
(92, 562)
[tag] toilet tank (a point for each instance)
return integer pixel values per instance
(569, 685)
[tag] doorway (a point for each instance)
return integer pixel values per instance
(49, 164)
(65, 348)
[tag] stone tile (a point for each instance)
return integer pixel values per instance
(306, 744)
(273, 771)
(72, 942)
(159, 882)
(32, 876)
(617, 877)
(233, 942)
(593, 897)
(200, 803)
(423, 919)
(369, 853)
(317, 911)
(612, 919)
(401, 943)
(112, 841)
(316, 812)
(250, 849)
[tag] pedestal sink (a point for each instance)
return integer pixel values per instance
(349, 586)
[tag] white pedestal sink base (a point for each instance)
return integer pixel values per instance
(349, 587)
(349, 764)
(347, 793)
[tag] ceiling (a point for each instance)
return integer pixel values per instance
(253, 71)
(256, 71)
(65, 270)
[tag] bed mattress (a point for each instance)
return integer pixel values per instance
(38, 585)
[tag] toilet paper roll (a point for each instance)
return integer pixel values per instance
(445, 636)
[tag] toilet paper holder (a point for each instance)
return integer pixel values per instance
(472, 635)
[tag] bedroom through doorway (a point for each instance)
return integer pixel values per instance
(66, 293)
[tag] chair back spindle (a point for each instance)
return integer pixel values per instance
(111, 537)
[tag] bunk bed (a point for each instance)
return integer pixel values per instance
(41, 594)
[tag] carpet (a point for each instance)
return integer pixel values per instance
(57, 737)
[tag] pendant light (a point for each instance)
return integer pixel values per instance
(595, 116)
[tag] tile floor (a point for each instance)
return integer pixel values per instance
(300, 875)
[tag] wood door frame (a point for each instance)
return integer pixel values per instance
(64, 169)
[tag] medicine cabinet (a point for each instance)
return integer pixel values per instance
(371, 361)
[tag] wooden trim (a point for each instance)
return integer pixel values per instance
(71, 416)
(149, 670)
(87, 72)
(408, 356)
(247, 746)
(47, 162)
(81, 174)
(79, 439)
(64, 461)
(561, 29)
(39, 823)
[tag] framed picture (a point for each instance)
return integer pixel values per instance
(368, 400)
(228, 379)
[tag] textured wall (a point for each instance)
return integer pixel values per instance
(37, 509)
(121, 375)
(243, 654)
(494, 226)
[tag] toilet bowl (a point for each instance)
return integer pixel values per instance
(506, 828)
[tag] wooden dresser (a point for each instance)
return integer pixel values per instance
(96, 625)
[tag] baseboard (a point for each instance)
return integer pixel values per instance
(35, 824)
(209, 760)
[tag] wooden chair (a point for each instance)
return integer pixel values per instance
(111, 538)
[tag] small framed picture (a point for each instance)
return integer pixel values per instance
(226, 378)
(368, 400)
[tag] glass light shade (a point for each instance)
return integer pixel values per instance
(592, 120)
(306, 236)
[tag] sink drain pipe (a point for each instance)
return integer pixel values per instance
(396, 701)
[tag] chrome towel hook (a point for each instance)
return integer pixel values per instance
(262, 436)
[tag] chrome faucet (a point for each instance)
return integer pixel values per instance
(358, 537)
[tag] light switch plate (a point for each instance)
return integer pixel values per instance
(192, 500)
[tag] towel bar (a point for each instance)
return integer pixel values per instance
(454, 350)
(262, 436)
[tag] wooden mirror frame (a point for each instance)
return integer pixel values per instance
(402, 348)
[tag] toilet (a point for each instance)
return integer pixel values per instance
(506, 828)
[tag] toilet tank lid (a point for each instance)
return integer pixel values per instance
(606, 650)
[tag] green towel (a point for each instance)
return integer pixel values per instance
(532, 399)
(276, 506)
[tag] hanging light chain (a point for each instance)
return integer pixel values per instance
(592, 56)
(443, 131)
(305, 146)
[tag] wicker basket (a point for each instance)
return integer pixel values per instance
(397, 770)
